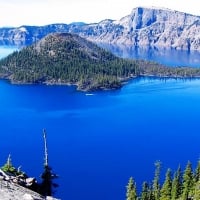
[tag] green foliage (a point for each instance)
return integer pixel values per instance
(188, 182)
(64, 58)
(182, 187)
(9, 168)
(131, 193)
(165, 193)
(156, 185)
(197, 173)
(197, 182)
(177, 184)
(146, 192)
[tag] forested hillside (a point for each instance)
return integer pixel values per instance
(64, 58)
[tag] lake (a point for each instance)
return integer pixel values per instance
(96, 141)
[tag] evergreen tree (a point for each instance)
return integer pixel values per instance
(165, 193)
(131, 193)
(188, 182)
(146, 193)
(177, 184)
(197, 182)
(197, 191)
(156, 185)
(9, 168)
(197, 173)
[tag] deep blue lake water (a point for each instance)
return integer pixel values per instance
(96, 142)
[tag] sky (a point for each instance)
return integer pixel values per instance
(42, 12)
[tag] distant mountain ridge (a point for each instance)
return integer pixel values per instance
(142, 27)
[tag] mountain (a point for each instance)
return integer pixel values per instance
(29, 34)
(64, 58)
(143, 26)
(149, 27)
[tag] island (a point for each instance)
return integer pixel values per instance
(64, 58)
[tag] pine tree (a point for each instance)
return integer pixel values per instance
(197, 173)
(131, 193)
(156, 185)
(177, 184)
(197, 182)
(197, 191)
(145, 191)
(188, 182)
(165, 193)
(8, 167)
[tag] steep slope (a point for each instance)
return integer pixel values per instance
(149, 27)
(9, 190)
(144, 26)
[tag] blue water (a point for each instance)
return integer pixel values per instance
(166, 56)
(6, 50)
(97, 141)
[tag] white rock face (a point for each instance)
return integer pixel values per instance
(143, 27)
(150, 27)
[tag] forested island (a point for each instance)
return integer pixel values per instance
(63, 58)
(178, 185)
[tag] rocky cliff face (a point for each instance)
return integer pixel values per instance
(149, 27)
(143, 27)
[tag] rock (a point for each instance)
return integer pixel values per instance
(27, 197)
(143, 27)
(9, 190)
(30, 181)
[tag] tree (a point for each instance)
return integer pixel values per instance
(47, 176)
(197, 173)
(177, 184)
(146, 192)
(197, 182)
(131, 193)
(9, 168)
(188, 182)
(156, 185)
(165, 193)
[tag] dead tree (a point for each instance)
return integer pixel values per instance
(47, 175)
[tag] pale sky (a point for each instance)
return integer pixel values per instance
(43, 12)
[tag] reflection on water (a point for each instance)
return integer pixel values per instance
(6, 50)
(169, 57)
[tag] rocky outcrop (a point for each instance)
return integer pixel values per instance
(143, 27)
(10, 190)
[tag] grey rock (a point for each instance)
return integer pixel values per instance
(153, 27)
(10, 190)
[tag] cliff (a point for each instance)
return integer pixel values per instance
(143, 26)
(149, 27)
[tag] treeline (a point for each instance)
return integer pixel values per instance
(181, 185)
(64, 58)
